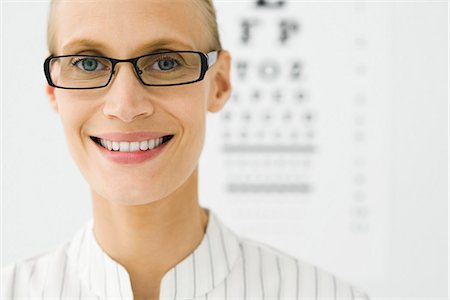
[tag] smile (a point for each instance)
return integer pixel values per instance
(123, 146)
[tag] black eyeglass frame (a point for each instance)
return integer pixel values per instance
(207, 60)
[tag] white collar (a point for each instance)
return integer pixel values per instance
(200, 272)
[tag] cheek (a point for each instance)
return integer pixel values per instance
(73, 113)
(191, 113)
(74, 108)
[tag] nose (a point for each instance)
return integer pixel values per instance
(127, 99)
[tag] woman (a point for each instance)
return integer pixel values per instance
(132, 82)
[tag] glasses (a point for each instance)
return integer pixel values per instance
(157, 69)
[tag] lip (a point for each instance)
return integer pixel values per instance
(131, 136)
(127, 158)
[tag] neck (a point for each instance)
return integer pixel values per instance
(148, 240)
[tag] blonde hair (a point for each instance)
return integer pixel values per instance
(205, 6)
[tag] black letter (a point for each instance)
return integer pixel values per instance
(246, 25)
(286, 29)
(267, 3)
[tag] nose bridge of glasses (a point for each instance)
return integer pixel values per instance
(132, 61)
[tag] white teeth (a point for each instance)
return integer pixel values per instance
(151, 144)
(115, 146)
(143, 145)
(131, 146)
(124, 146)
(134, 146)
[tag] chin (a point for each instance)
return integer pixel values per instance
(126, 195)
(135, 202)
(126, 200)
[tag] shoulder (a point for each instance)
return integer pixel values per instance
(295, 277)
(20, 276)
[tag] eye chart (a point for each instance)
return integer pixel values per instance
(297, 152)
(332, 146)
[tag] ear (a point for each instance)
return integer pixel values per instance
(221, 85)
(50, 92)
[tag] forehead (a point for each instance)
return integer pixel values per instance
(128, 27)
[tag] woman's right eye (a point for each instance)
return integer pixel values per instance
(89, 64)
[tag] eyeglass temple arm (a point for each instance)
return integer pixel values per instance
(212, 57)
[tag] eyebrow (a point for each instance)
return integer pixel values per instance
(79, 45)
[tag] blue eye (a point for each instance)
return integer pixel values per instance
(166, 64)
(89, 64)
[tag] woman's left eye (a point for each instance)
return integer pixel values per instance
(165, 64)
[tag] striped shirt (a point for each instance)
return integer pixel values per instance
(223, 266)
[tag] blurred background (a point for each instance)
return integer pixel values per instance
(333, 146)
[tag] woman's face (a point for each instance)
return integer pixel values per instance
(125, 29)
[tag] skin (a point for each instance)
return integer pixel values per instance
(146, 216)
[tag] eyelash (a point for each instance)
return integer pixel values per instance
(77, 61)
(81, 59)
(74, 63)
(167, 58)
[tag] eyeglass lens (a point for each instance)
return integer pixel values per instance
(85, 71)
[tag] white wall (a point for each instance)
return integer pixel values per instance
(375, 79)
